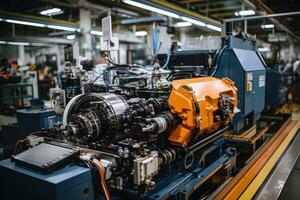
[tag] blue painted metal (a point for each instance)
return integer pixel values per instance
(277, 87)
(28, 121)
(76, 182)
(240, 62)
(179, 183)
(72, 182)
(35, 119)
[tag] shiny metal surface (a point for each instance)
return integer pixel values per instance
(275, 183)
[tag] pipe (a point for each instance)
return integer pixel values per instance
(207, 139)
(102, 180)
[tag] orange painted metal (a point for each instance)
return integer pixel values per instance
(198, 101)
(244, 178)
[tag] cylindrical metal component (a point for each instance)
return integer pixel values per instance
(161, 123)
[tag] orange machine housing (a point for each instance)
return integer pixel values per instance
(204, 105)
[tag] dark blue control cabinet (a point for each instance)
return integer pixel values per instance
(71, 182)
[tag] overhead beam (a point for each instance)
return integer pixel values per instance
(213, 3)
(185, 11)
(144, 20)
(271, 16)
(222, 14)
(262, 16)
(220, 8)
(282, 24)
(192, 1)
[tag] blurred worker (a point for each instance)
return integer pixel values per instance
(14, 68)
(4, 65)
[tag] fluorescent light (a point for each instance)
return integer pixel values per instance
(171, 14)
(25, 23)
(267, 26)
(52, 12)
(71, 37)
(245, 13)
(93, 32)
(2, 42)
(214, 27)
(140, 33)
(151, 8)
(183, 24)
(63, 28)
(19, 43)
(193, 21)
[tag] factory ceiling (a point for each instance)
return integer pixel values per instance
(213, 9)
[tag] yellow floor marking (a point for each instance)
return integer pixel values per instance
(261, 176)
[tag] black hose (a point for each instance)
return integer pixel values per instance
(207, 139)
(218, 61)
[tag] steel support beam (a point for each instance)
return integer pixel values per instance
(181, 11)
(144, 20)
(86, 27)
(227, 21)
(262, 16)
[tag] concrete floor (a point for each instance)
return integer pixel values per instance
(277, 181)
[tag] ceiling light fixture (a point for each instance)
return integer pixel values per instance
(18, 43)
(57, 27)
(25, 23)
(196, 22)
(214, 27)
(52, 12)
(183, 24)
(267, 26)
(172, 14)
(151, 8)
(63, 28)
(94, 32)
(140, 33)
(244, 13)
(71, 37)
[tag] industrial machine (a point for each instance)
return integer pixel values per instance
(237, 60)
(148, 132)
(70, 81)
(146, 148)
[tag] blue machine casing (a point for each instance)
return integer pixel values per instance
(36, 119)
(240, 62)
(72, 182)
(277, 87)
(28, 121)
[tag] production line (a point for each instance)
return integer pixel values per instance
(165, 144)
